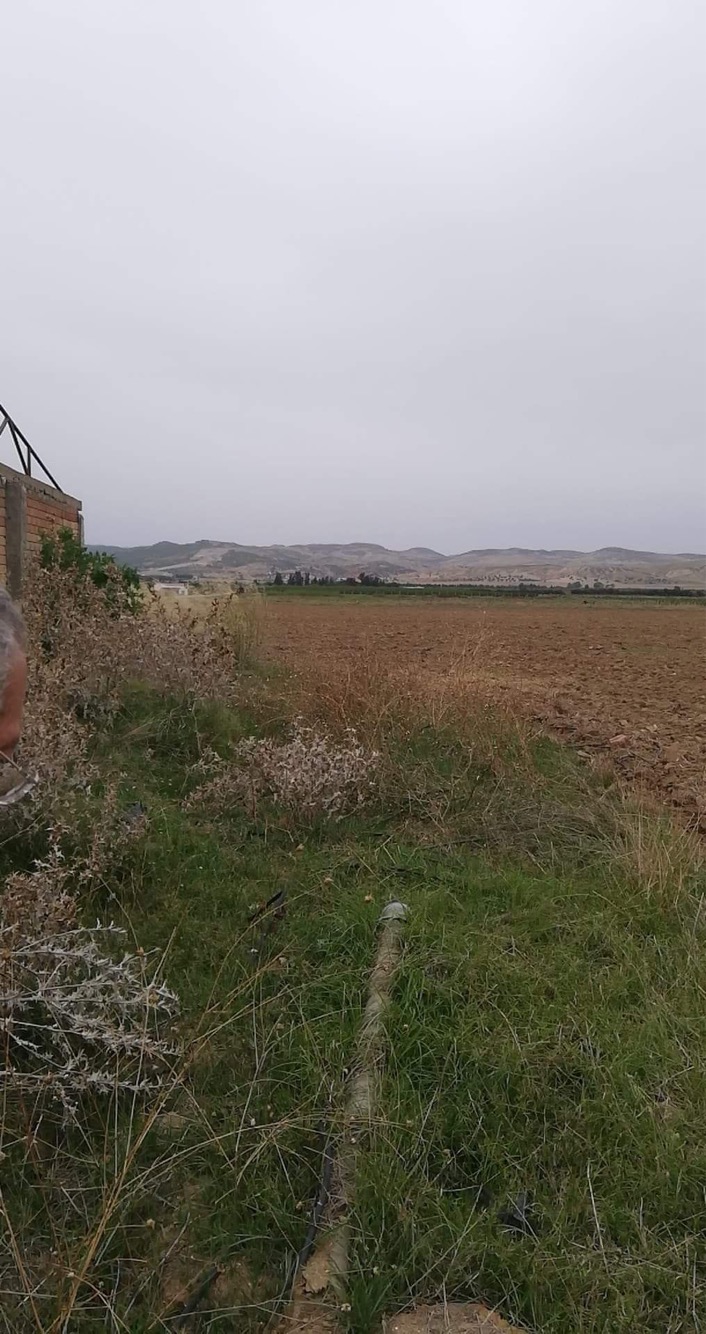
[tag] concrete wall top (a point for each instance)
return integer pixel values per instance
(35, 486)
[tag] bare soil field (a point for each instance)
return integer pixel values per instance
(618, 679)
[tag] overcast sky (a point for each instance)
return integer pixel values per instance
(407, 271)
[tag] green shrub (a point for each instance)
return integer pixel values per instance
(65, 551)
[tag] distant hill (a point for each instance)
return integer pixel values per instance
(209, 560)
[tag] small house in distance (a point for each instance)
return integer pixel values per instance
(166, 586)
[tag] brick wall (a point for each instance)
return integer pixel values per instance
(28, 508)
(3, 547)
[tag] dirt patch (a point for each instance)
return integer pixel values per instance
(235, 1287)
(226, 1289)
(309, 1317)
(624, 681)
(456, 1318)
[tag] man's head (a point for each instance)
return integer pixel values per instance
(13, 674)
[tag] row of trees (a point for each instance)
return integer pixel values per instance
(299, 579)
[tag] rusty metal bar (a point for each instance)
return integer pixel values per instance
(18, 447)
(17, 436)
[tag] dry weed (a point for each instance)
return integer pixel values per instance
(75, 1020)
(85, 649)
(240, 615)
(73, 1017)
(649, 847)
(308, 775)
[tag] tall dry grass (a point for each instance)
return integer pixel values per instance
(84, 648)
(650, 848)
(240, 616)
(87, 1017)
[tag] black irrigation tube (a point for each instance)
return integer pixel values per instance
(271, 912)
(317, 1212)
(202, 1285)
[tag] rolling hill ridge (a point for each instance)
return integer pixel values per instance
(211, 560)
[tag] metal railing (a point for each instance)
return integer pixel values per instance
(26, 452)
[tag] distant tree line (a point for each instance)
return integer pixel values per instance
(609, 590)
(373, 584)
(303, 579)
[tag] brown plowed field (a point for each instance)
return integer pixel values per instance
(625, 679)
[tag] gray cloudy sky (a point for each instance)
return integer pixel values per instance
(407, 271)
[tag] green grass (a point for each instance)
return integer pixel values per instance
(490, 592)
(547, 1037)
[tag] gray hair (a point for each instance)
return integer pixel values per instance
(13, 637)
